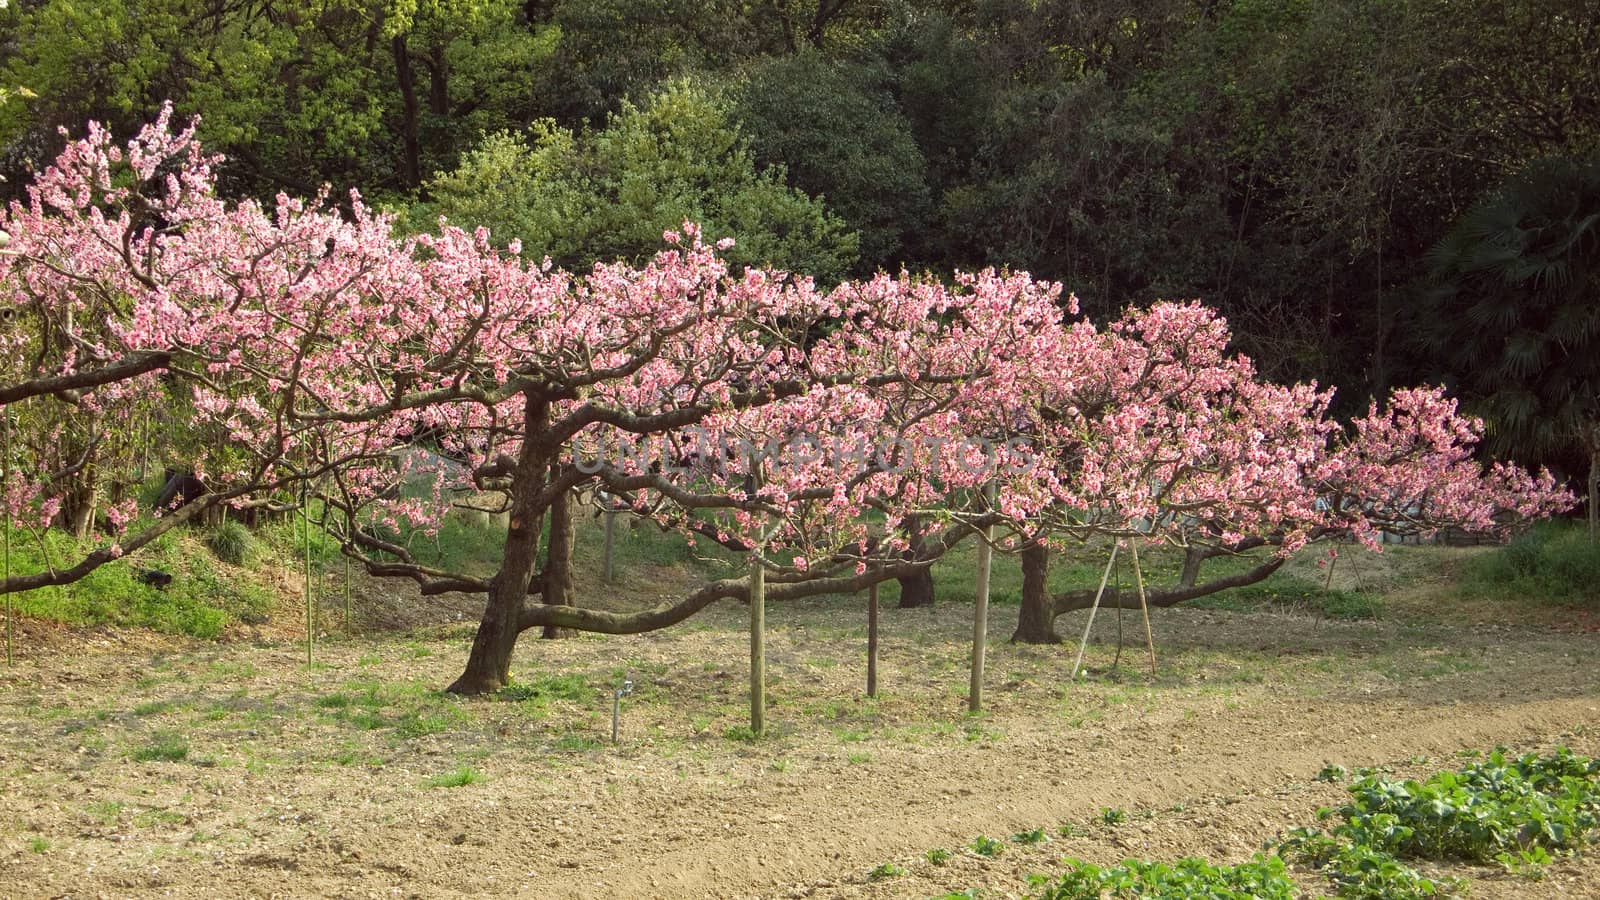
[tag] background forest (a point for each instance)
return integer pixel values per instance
(1374, 192)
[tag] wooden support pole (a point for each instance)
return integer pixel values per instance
(607, 571)
(1083, 644)
(1149, 637)
(305, 519)
(5, 489)
(980, 613)
(872, 641)
(347, 593)
(758, 645)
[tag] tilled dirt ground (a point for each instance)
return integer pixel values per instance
(134, 766)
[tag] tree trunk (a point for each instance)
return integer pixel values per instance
(1036, 622)
(411, 169)
(438, 81)
(915, 590)
(489, 664)
(81, 506)
(557, 573)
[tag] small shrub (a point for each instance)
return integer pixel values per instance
(988, 846)
(233, 543)
(1333, 773)
(1510, 811)
(1527, 863)
(741, 733)
(887, 870)
(1029, 838)
(1552, 561)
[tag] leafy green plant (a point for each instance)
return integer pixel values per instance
(938, 856)
(1111, 815)
(1482, 810)
(1029, 838)
(1262, 878)
(38, 844)
(987, 846)
(1512, 811)
(1333, 773)
(886, 870)
(1528, 863)
(1360, 872)
(742, 733)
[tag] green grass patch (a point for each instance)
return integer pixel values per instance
(458, 778)
(1552, 562)
(1286, 592)
(201, 601)
(164, 746)
(233, 543)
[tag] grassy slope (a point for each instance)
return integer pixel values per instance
(1554, 562)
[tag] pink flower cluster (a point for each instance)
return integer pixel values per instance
(307, 343)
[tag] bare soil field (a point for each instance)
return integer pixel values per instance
(133, 765)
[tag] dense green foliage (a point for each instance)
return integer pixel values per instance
(1262, 878)
(1515, 811)
(202, 600)
(1514, 314)
(1292, 163)
(610, 194)
(1552, 562)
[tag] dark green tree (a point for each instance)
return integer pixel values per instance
(837, 129)
(1515, 315)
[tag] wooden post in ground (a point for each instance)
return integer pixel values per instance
(758, 645)
(1083, 644)
(1149, 638)
(872, 641)
(758, 619)
(980, 613)
(305, 519)
(607, 559)
(347, 593)
(5, 488)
